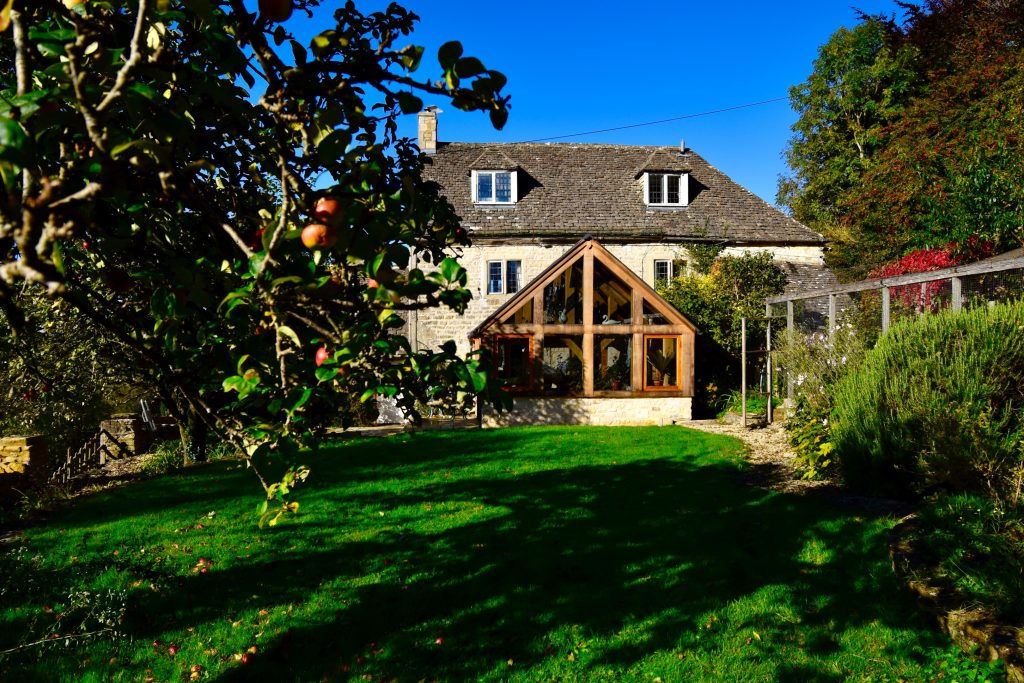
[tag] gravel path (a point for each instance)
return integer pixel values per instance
(773, 467)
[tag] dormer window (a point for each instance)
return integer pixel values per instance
(494, 187)
(666, 189)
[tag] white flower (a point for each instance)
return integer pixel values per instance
(824, 422)
(800, 379)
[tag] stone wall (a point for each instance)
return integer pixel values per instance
(25, 455)
(430, 328)
(592, 411)
(122, 436)
(24, 461)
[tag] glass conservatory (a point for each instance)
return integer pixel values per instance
(589, 327)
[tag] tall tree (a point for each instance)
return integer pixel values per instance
(163, 165)
(940, 159)
(860, 84)
(951, 169)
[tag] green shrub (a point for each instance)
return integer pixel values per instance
(757, 404)
(167, 457)
(937, 405)
(815, 363)
(980, 549)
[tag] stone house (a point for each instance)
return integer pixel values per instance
(526, 205)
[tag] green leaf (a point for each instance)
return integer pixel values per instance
(5, 15)
(326, 374)
(290, 333)
(14, 143)
(467, 67)
(499, 117)
(233, 383)
(409, 103)
(306, 393)
(412, 55)
(299, 52)
(448, 54)
(450, 269)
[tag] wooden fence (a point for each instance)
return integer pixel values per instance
(982, 283)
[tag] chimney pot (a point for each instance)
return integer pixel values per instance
(427, 130)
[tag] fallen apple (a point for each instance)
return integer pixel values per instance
(172, 649)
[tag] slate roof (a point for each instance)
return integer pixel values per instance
(567, 190)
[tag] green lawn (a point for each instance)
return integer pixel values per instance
(563, 554)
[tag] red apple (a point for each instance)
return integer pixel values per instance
(327, 210)
(172, 649)
(245, 658)
(276, 10)
(322, 354)
(318, 235)
(372, 283)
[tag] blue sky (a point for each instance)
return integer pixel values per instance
(574, 67)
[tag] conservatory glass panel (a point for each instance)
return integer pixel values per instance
(563, 298)
(613, 298)
(562, 364)
(661, 362)
(613, 362)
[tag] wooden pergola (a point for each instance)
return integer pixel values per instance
(589, 326)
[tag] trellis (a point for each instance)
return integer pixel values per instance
(981, 283)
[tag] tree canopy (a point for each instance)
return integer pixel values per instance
(943, 159)
(232, 208)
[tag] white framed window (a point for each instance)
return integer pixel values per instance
(504, 277)
(666, 270)
(666, 189)
(513, 276)
(494, 187)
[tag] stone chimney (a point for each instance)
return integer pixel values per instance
(427, 131)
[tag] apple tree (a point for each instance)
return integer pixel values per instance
(233, 209)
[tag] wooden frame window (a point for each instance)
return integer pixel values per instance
(662, 362)
(514, 358)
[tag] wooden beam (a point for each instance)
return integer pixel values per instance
(979, 268)
(638, 361)
(600, 330)
(885, 309)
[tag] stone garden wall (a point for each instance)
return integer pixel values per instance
(24, 461)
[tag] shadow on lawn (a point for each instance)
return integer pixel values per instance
(651, 546)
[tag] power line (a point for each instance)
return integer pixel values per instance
(654, 123)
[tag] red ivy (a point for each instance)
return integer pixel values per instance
(922, 261)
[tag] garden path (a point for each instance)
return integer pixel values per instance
(773, 466)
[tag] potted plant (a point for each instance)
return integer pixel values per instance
(664, 364)
(618, 372)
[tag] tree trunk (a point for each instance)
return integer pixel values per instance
(194, 433)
